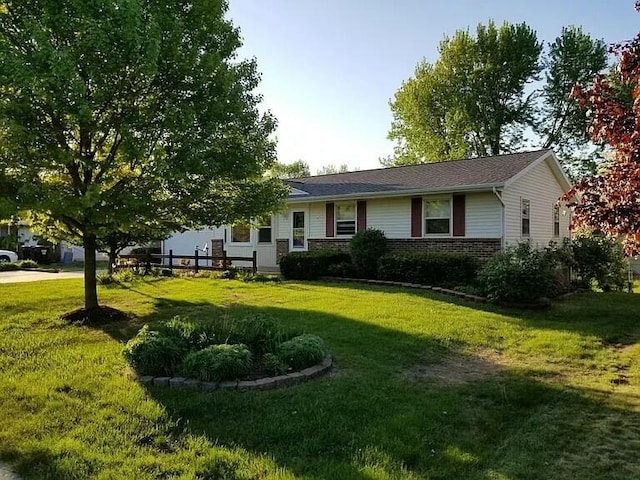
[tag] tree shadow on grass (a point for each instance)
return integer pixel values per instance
(368, 419)
(614, 318)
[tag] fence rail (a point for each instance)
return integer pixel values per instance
(222, 262)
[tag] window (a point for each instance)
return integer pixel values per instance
(346, 218)
(437, 215)
(298, 229)
(556, 221)
(240, 233)
(264, 230)
(525, 216)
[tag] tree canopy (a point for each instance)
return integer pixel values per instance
(297, 169)
(116, 114)
(479, 97)
(609, 201)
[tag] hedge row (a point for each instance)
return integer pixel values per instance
(429, 268)
(312, 264)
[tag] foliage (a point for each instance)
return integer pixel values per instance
(302, 351)
(27, 264)
(136, 117)
(342, 269)
(153, 353)
(297, 169)
(600, 259)
(310, 265)
(573, 59)
(366, 247)
(218, 362)
(519, 274)
(272, 364)
(8, 266)
(332, 169)
(247, 276)
(9, 242)
(474, 101)
(429, 268)
(471, 102)
(609, 201)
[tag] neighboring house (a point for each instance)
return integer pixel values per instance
(474, 206)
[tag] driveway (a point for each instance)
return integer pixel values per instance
(26, 276)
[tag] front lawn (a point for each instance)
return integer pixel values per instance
(423, 387)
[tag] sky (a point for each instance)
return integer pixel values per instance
(330, 67)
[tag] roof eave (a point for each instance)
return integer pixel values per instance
(397, 193)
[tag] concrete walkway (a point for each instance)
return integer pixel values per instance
(26, 276)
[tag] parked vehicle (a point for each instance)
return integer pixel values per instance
(8, 256)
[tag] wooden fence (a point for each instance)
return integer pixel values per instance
(185, 262)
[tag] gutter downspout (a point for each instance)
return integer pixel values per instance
(502, 217)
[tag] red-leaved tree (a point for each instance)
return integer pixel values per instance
(609, 202)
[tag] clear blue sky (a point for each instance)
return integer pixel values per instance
(329, 67)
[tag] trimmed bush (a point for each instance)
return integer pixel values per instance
(218, 362)
(429, 268)
(310, 265)
(342, 269)
(155, 353)
(520, 274)
(7, 267)
(27, 264)
(302, 351)
(366, 248)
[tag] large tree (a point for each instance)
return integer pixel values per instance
(471, 101)
(609, 201)
(114, 113)
(297, 169)
(479, 98)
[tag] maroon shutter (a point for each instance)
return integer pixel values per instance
(362, 215)
(416, 217)
(330, 220)
(458, 216)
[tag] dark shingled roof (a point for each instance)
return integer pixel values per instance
(441, 175)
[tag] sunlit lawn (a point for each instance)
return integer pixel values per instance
(423, 387)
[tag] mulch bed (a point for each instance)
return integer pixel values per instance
(95, 316)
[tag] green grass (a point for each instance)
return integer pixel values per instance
(423, 387)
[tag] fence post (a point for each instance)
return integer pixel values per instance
(224, 259)
(196, 260)
(255, 262)
(171, 260)
(147, 265)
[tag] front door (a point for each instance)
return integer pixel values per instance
(298, 231)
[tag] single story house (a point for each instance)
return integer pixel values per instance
(475, 206)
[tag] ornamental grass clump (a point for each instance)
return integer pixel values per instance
(155, 353)
(218, 362)
(302, 351)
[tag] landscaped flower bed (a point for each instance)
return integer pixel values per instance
(246, 353)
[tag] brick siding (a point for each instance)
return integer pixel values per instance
(282, 248)
(482, 248)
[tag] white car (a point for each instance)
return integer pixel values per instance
(8, 256)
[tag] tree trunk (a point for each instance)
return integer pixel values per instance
(90, 286)
(113, 255)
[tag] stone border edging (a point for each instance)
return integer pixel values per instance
(445, 291)
(267, 383)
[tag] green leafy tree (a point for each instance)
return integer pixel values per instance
(477, 98)
(331, 169)
(574, 58)
(472, 101)
(297, 169)
(118, 113)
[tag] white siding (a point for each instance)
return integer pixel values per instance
(542, 189)
(483, 212)
(391, 215)
(316, 220)
(185, 243)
